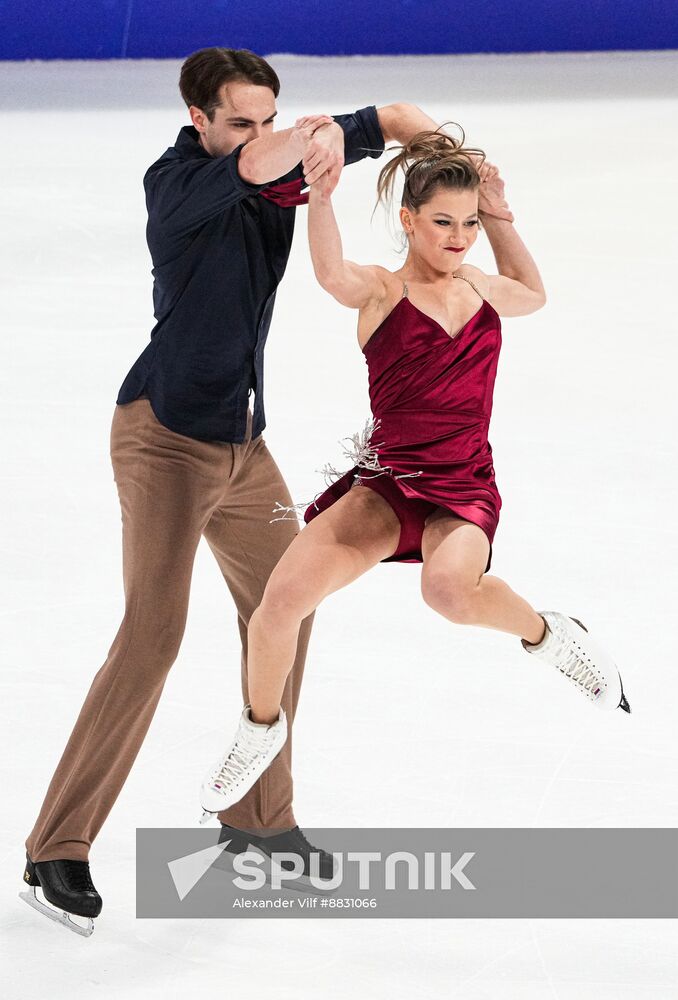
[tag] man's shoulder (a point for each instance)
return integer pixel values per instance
(169, 156)
(184, 150)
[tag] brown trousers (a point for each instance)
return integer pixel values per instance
(172, 490)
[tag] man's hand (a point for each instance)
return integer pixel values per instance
(491, 200)
(314, 121)
(324, 153)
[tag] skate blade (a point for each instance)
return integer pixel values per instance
(60, 916)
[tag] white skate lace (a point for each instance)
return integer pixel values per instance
(247, 747)
(574, 666)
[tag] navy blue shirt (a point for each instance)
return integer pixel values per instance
(219, 250)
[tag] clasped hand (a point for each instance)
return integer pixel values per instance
(323, 157)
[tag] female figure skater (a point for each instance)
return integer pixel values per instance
(423, 487)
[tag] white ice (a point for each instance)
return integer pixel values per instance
(405, 719)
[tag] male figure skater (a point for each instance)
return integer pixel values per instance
(186, 449)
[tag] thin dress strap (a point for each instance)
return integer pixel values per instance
(463, 276)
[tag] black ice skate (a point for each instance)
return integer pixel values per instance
(292, 841)
(67, 885)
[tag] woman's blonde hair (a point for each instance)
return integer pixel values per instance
(430, 160)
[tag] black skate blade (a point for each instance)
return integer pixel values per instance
(59, 916)
(623, 703)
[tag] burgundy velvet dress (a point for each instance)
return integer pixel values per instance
(431, 401)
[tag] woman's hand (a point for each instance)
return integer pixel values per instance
(322, 143)
(491, 199)
(306, 134)
(324, 157)
(325, 185)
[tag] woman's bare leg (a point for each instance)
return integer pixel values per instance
(454, 584)
(331, 551)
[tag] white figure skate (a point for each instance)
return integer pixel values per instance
(568, 646)
(255, 746)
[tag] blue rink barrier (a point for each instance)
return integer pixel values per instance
(161, 29)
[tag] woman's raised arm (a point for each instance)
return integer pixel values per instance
(517, 290)
(354, 285)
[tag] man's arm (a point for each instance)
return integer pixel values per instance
(365, 133)
(180, 196)
(399, 122)
(361, 134)
(367, 130)
(347, 139)
(272, 156)
(319, 143)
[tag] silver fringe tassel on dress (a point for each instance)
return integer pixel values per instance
(361, 452)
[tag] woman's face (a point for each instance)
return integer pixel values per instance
(444, 229)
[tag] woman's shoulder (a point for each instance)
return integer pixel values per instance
(387, 289)
(390, 280)
(375, 311)
(478, 277)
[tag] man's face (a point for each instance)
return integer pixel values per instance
(246, 112)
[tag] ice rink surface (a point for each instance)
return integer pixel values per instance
(405, 719)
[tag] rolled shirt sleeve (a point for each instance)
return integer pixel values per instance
(362, 134)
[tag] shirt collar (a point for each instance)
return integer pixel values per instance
(188, 143)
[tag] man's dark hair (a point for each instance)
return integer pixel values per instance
(206, 71)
